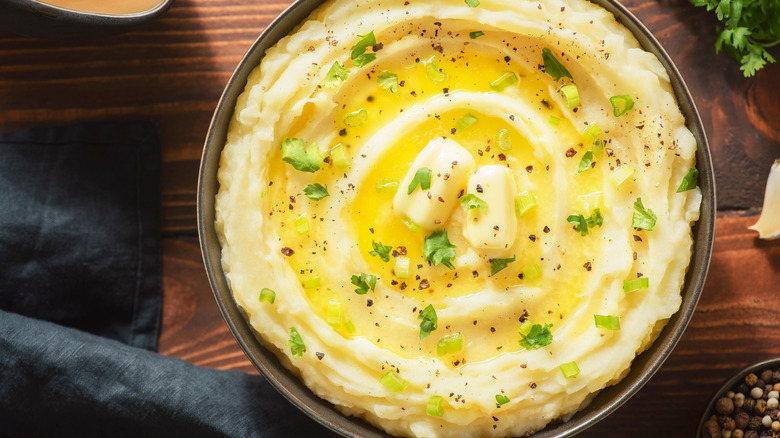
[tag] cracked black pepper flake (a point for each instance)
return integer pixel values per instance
(320, 355)
(287, 251)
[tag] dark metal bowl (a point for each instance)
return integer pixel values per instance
(606, 402)
(41, 20)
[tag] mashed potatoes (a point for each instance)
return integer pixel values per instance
(458, 218)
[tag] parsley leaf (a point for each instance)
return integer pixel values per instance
(582, 223)
(359, 56)
(363, 59)
(472, 3)
(335, 75)
(501, 400)
(297, 348)
(438, 249)
(496, 265)
(316, 191)
(471, 201)
(595, 219)
(689, 181)
(537, 337)
(388, 81)
(585, 162)
(553, 67)
(305, 159)
(382, 251)
(476, 34)
(422, 178)
(644, 219)
(428, 321)
(364, 282)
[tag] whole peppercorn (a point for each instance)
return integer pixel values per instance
(749, 404)
(754, 423)
(751, 434)
(766, 375)
(741, 420)
(756, 392)
(775, 376)
(760, 407)
(724, 406)
(725, 433)
(737, 433)
(773, 394)
(739, 399)
(710, 428)
(728, 423)
(772, 413)
(776, 426)
(751, 379)
(766, 421)
(772, 403)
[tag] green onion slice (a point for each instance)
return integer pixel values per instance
(598, 148)
(422, 178)
(635, 284)
(608, 322)
(338, 156)
(571, 94)
(356, 118)
(507, 79)
(465, 121)
(434, 408)
(335, 312)
(689, 181)
(349, 326)
(524, 202)
(621, 174)
(393, 381)
(402, 267)
(410, 224)
(591, 133)
(471, 201)
(434, 74)
(554, 120)
(621, 104)
(472, 3)
(302, 224)
(387, 185)
(449, 344)
(312, 283)
(570, 370)
(501, 400)
(503, 140)
(532, 272)
(476, 34)
(267, 295)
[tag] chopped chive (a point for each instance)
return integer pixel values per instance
(503, 140)
(621, 174)
(585, 162)
(387, 185)
(571, 94)
(449, 344)
(267, 295)
(393, 381)
(302, 224)
(689, 181)
(476, 34)
(335, 312)
(598, 148)
(411, 225)
(402, 265)
(621, 104)
(608, 322)
(311, 283)
(465, 121)
(526, 327)
(554, 120)
(507, 79)
(591, 133)
(422, 178)
(532, 272)
(497, 265)
(501, 400)
(338, 156)
(570, 370)
(356, 118)
(349, 326)
(635, 284)
(553, 67)
(434, 74)
(434, 408)
(380, 250)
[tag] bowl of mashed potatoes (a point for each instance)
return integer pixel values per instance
(456, 218)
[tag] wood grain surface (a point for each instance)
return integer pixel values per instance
(173, 71)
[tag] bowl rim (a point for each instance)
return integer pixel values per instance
(644, 366)
(90, 18)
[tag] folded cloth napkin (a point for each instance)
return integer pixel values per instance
(80, 300)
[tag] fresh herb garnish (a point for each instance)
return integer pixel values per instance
(689, 181)
(582, 224)
(305, 159)
(393, 381)
(434, 74)
(553, 67)
(496, 265)
(636, 284)
(422, 178)
(585, 162)
(364, 282)
(464, 122)
(570, 370)
(428, 321)
(335, 76)
(538, 336)
(359, 56)
(267, 295)
(438, 250)
(609, 322)
(644, 218)
(316, 191)
(621, 104)
(381, 251)
(472, 3)
(434, 407)
(476, 34)
(388, 81)
(356, 118)
(471, 201)
(297, 348)
(501, 400)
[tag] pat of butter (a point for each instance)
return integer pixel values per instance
(495, 228)
(450, 166)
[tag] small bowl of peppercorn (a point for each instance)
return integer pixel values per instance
(747, 406)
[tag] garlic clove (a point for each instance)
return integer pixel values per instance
(768, 225)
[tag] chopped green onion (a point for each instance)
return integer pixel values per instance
(553, 67)
(267, 295)
(356, 118)
(411, 225)
(428, 321)
(591, 133)
(311, 283)
(465, 121)
(526, 327)
(496, 265)
(644, 218)
(608, 322)
(635, 284)
(621, 174)
(524, 202)
(585, 162)
(501, 400)
(689, 181)
(316, 191)
(449, 344)
(422, 178)
(621, 104)
(297, 347)
(381, 251)
(434, 74)
(571, 94)
(554, 120)
(503, 140)
(393, 381)
(335, 312)
(476, 34)
(507, 79)
(364, 282)
(334, 76)
(471, 201)
(338, 156)
(438, 250)
(349, 326)
(434, 408)
(598, 148)
(387, 185)
(472, 3)
(388, 81)
(532, 272)
(536, 337)
(264, 194)
(302, 224)
(570, 370)
(402, 265)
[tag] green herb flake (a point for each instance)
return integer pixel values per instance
(472, 3)
(586, 162)
(644, 218)
(381, 251)
(582, 223)
(305, 159)
(621, 104)
(496, 265)
(335, 76)
(507, 79)
(434, 407)
(438, 250)
(316, 191)
(609, 322)
(388, 81)
(471, 201)
(356, 118)
(267, 295)
(297, 348)
(572, 95)
(476, 34)
(364, 283)
(466, 121)
(428, 321)
(501, 400)
(538, 336)
(595, 219)
(449, 344)
(636, 284)
(359, 49)
(553, 67)
(421, 178)
(689, 181)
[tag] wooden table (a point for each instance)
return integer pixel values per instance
(173, 71)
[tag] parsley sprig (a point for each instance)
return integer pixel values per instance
(428, 321)
(438, 250)
(301, 157)
(381, 251)
(538, 336)
(364, 282)
(358, 55)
